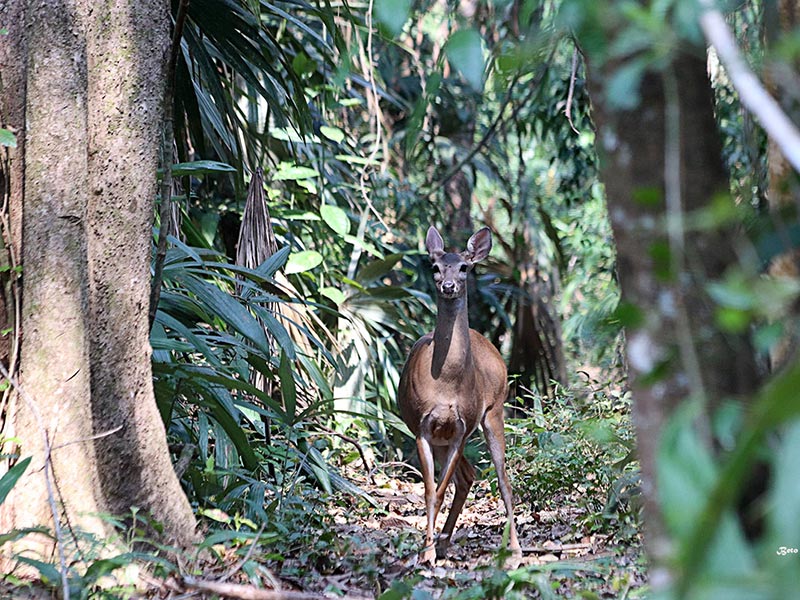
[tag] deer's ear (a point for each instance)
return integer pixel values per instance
(434, 243)
(478, 246)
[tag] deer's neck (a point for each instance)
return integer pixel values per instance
(451, 346)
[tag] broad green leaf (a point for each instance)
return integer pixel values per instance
(315, 463)
(11, 477)
(302, 64)
(300, 262)
(464, 50)
(332, 133)
(236, 434)
(392, 14)
(199, 167)
(288, 172)
(335, 295)
(197, 341)
(685, 473)
(336, 218)
(7, 138)
(275, 328)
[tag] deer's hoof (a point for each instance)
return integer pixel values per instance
(429, 556)
(441, 547)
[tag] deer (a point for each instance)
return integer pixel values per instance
(454, 379)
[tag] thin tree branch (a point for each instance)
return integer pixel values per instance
(248, 555)
(244, 592)
(166, 160)
(355, 443)
(48, 472)
(752, 94)
(89, 438)
(571, 92)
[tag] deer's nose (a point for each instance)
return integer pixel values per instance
(448, 287)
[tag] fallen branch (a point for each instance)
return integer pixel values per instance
(556, 549)
(752, 94)
(245, 592)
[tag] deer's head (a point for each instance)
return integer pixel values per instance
(450, 268)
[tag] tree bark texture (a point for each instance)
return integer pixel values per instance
(127, 51)
(633, 149)
(95, 78)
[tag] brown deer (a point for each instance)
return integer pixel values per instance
(454, 378)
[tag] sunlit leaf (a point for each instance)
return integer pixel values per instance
(294, 172)
(335, 295)
(335, 218)
(300, 262)
(332, 133)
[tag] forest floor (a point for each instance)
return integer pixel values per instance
(346, 547)
(561, 559)
(357, 550)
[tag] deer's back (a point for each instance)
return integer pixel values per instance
(481, 385)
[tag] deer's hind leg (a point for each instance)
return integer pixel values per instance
(463, 477)
(496, 441)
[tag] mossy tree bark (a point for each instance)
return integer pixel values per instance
(93, 111)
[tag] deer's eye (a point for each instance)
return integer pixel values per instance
(435, 268)
(464, 268)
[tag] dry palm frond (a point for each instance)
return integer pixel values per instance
(256, 238)
(256, 244)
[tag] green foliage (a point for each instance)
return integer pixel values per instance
(464, 50)
(579, 452)
(10, 478)
(7, 138)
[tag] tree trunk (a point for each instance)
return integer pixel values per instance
(663, 281)
(127, 51)
(86, 218)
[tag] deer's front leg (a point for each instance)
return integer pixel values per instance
(431, 505)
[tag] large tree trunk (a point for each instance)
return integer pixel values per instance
(127, 51)
(95, 81)
(676, 334)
